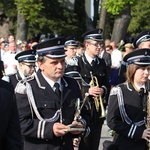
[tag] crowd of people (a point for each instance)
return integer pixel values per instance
(59, 90)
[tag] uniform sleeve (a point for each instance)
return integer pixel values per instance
(31, 124)
(115, 122)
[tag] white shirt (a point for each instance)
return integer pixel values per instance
(101, 54)
(51, 82)
(116, 58)
(2, 52)
(89, 59)
(9, 60)
(138, 87)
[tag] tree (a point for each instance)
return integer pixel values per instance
(140, 17)
(102, 16)
(43, 17)
(48, 17)
(121, 24)
(27, 10)
(8, 17)
(22, 27)
(96, 12)
(121, 9)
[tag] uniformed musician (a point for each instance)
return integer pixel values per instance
(89, 64)
(142, 40)
(127, 104)
(10, 135)
(47, 102)
(70, 47)
(26, 60)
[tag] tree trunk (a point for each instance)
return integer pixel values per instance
(121, 24)
(22, 27)
(102, 16)
(6, 25)
(96, 8)
(88, 20)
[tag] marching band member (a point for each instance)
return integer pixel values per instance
(26, 67)
(70, 47)
(142, 40)
(89, 63)
(10, 135)
(46, 102)
(127, 104)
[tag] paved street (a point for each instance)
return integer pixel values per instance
(105, 135)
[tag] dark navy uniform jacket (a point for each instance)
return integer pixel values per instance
(38, 134)
(99, 70)
(10, 135)
(129, 134)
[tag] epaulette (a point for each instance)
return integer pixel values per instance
(114, 90)
(21, 85)
(20, 88)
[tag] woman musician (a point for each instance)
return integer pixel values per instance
(127, 104)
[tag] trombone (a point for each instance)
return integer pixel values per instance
(97, 100)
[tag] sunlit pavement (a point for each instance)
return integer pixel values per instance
(104, 136)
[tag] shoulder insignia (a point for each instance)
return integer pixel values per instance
(114, 91)
(20, 88)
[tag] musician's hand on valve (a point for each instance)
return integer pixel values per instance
(95, 91)
(59, 129)
(146, 134)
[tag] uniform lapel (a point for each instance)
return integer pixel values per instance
(48, 91)
(86, 61)
(65, 90)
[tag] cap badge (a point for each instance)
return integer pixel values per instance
(59, 42)
(99, 31)
(145, 53)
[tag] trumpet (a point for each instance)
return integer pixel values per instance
(97, 100)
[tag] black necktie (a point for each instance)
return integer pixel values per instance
(57, 91)
(92, 63)
(141, 93)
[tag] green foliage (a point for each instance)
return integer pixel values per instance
(140, 17)
(8, 8)
(55, 18)
(115, 7)
(29, 8)
(46, 16)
